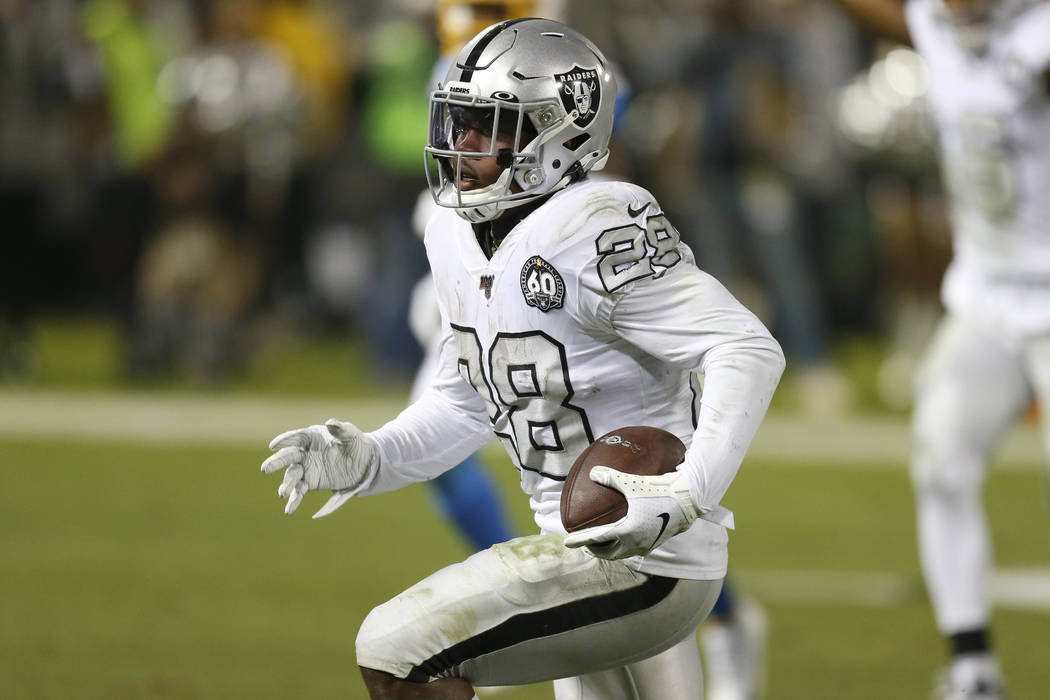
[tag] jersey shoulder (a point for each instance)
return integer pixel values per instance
(607, 234)
(593, 205)
(442, 222)
(571, 223)
(444, 234)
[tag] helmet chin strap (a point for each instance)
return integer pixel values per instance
(478, 214)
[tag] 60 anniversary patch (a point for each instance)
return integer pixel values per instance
(541, 284)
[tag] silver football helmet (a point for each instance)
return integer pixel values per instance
(537, 84)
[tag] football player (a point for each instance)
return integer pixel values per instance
(569, 308)
(989, 73)
(734, 635)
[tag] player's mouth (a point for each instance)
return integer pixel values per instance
(468, 179)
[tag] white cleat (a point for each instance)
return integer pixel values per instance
(971, 677)
(735, 654)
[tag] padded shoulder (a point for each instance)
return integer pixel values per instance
(592, 206)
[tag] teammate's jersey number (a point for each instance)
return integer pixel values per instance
(526, 387)
(628, 255)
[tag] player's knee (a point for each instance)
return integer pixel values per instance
(938, 471)
(369, 637)
(378, 645)
(947, 460)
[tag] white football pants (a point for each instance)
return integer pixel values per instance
(970, 390)
(531, 610)
(675, 673)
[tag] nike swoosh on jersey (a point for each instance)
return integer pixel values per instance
(666, 518)
(632, 212)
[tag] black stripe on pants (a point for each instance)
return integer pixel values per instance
(544, 623)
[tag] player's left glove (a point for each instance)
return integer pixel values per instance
(335, 456)
(658, 508)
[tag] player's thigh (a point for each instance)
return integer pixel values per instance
(970, 389)
(675, 674)
(526, 611)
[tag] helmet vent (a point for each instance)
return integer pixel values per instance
(556, 35)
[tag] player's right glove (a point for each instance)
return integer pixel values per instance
(335, 456)
(658, 508)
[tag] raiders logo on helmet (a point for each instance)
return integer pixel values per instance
(580, 89)
(542, 285)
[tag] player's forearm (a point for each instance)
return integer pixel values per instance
(423, 441)
(884, 17)
(738, 385)
(689, 320)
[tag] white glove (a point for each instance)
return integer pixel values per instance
(658, 508)
(336, 456)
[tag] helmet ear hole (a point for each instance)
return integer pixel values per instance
(576, 141)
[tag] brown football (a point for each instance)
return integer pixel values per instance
(636, 449)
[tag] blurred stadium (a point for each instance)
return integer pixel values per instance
(207, 211)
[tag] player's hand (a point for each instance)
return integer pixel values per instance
(658, 508)
(335, 456)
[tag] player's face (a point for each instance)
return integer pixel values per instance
(472, 131)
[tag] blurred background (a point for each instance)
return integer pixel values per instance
(192, 187)
(207, 215)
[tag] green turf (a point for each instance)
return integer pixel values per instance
(170, 572)
(86, 353)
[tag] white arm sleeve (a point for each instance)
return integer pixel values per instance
(443, 427)
(688, 319)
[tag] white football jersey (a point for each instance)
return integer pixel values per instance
(992, 112)
(590, 316)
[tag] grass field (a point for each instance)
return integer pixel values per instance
(158, 569)
(142, 554)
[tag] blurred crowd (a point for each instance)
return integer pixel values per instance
(211, 174)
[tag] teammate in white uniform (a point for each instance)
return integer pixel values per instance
(570, 308)
(989, 74)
